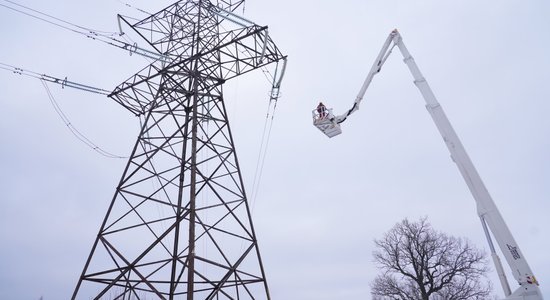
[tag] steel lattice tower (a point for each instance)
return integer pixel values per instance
(179, 224)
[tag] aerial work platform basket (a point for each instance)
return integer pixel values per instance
(325, 121)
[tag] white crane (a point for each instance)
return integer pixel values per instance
(491, 219)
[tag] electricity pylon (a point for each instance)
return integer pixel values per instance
(179, 224)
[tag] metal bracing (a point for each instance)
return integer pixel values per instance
(179, 225)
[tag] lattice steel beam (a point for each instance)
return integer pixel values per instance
(179, 223)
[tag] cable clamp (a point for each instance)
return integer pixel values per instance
(133, 48)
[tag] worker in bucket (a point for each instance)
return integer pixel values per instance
(322, 110)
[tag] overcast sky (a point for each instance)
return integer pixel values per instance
(322, 201)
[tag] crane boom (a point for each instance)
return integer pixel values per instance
(488, 212)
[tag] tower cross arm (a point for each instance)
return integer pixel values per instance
(232, 54)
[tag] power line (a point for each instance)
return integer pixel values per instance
(81, 137)
(52, 79)
(101, 36)
(268, 125)
(136, 8)
(262, 153)
(58, 19)
(64, 83)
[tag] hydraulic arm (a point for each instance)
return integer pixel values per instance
(491, 218)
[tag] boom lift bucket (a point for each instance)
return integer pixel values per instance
(325, 121)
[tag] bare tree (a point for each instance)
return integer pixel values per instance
(419, 263)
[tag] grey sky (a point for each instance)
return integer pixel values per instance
(322, 201)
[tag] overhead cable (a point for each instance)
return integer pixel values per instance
(63, 82)
(262, 153)
(268, 125)
(101, 36)
(72, 129)
(57, 19)
(136, 8)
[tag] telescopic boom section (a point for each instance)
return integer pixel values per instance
(326, 121)
(491, 218)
